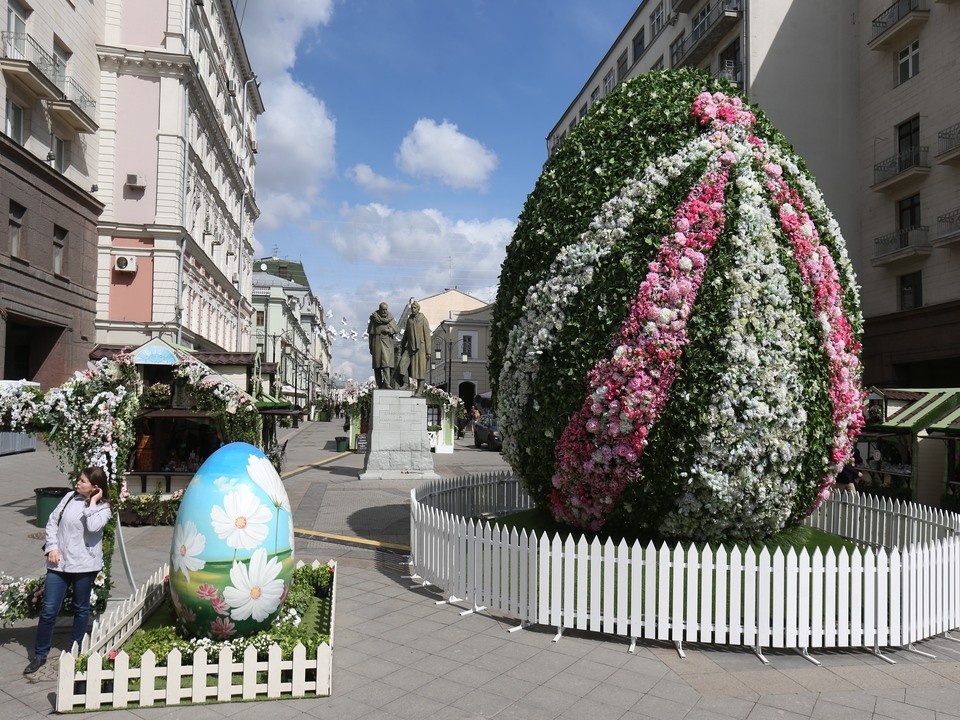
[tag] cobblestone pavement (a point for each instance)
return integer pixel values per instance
(401, 654)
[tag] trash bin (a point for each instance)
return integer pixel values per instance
(47, 500)
(343, 443)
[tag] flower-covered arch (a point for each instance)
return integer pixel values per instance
(676, 335)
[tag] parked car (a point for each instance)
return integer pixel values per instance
(485, 432)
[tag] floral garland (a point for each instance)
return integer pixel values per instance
(358, 398)
(211, 392)
(746, 434)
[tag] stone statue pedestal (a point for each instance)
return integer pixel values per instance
(399, 446)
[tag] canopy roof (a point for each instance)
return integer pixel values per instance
(931, 409)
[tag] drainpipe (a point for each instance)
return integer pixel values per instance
(745, 62)
(178, 312)
(243, 200)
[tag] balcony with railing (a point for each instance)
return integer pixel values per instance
(897, 24)
(683, 6)
(23, 59)
(906, 168)
(948, 229)
(948, 144)
(76, 108)
(901, 245)
(730, 71)
(27, 63)
(708, 30)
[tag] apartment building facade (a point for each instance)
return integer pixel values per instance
(909, 177)
(178, 107)
(49, 79)
(843, 80)
(290, 329)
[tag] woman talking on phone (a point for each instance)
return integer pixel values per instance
(74, 550)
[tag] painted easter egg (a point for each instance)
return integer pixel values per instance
(675, 342)
(231, 560)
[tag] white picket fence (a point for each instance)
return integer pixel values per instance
(171, 681)
(900, 586)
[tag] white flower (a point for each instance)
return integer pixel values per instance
(263, 473)
(256, 589)
(187, 545)
(241, 522)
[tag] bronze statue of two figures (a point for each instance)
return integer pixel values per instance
(395, 368)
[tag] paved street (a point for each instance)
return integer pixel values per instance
(399, 654)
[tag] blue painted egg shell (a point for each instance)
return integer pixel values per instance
(231, 560)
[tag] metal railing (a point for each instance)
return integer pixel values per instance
(21, 46)
(948, 223)
(731, 71)
(948, 138)
(916, 156)
(901, 239)
(894, 14)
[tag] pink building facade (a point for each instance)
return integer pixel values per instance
(178, 109)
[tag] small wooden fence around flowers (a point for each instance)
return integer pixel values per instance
(170, 680)
(901, 586)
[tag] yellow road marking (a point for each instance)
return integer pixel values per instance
(332, 536)
(350, 539)
(313, 465)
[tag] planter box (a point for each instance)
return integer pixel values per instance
(170, 681)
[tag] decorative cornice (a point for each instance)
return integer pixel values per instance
(153, 62)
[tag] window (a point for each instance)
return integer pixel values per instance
(595, 95)
(658, 65)
(59, 248)
(678, 48)
(14, 128)
(17, 26)
(467, 342)
(609, 83)
(17, 239)
(911, 291)
(583, 111)
(622, 65)
(730, 62)
(572, 126)
(908, 143)
(908, 213)
(261, 318)
(701, 22)
(61, 155)
(656, 21)
(61, 57)
(909, 61)
(283, 271)
(639, 45)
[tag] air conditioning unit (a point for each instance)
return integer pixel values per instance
(136, 181)
(231, 88)
(253, 146)
(125, 263)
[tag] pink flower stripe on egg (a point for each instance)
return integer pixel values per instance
(600, 449)
(820, 275)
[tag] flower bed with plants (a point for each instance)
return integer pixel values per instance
(676, 335)
(137, 657)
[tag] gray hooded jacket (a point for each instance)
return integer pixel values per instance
(76, 530)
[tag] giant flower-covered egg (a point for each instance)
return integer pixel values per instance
(231, 560)
(676, 332)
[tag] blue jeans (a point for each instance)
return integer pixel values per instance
(55, 589)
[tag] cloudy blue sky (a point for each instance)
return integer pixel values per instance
(401, 137)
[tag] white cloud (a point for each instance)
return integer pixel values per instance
(385, 236)
(273, 30)
(296, 134)
(443, 152)
(364, 176)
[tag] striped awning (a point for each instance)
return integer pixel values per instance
(930, 409)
